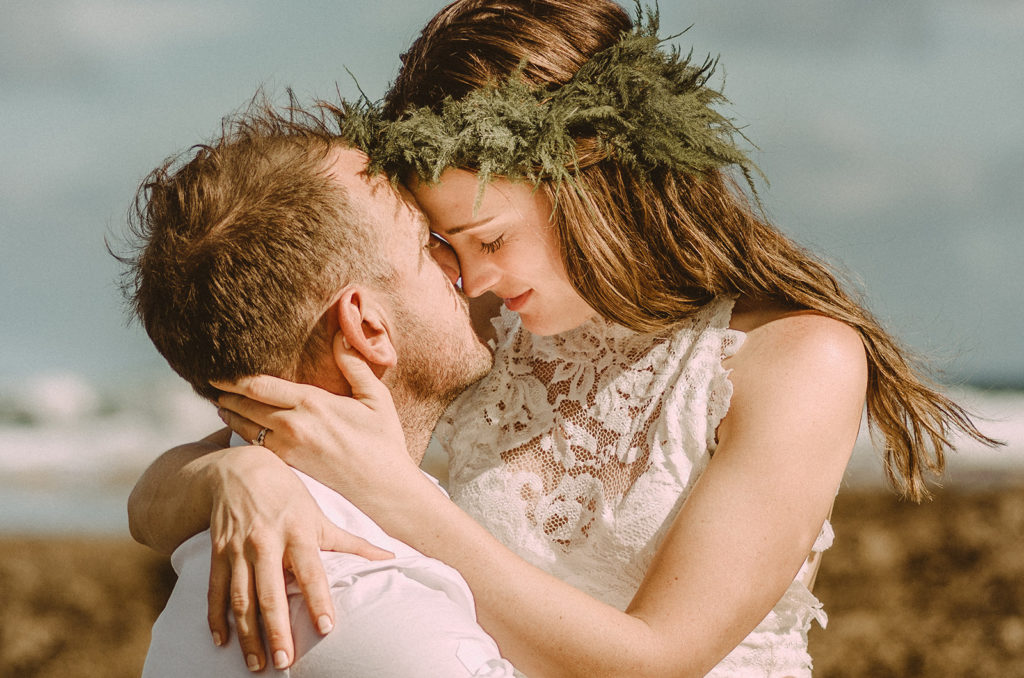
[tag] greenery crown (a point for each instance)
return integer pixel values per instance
(648, 107)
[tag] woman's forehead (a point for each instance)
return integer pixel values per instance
(456, 202)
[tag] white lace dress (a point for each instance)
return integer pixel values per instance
(577, 450)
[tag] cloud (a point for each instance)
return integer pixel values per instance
(805, 26)
(1003, 18)
(127, 27)
(59, 41)
(861, 169)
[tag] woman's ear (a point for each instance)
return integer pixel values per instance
(364, 324)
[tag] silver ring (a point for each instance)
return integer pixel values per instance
(261, 437)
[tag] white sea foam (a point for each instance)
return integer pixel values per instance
(70, 451)
(60, 424)
(999, 414)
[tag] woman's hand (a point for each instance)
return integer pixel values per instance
(263, 522)
(355, 445)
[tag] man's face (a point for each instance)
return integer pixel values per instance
(439, 354)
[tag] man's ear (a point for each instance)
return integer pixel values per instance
(363, 322)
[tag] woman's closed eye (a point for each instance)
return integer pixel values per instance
(494, 245)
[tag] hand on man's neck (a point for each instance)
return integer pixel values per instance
(417, 416)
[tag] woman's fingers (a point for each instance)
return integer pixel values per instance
(247, 429)
(217, 598)
(256, 412)
(273, 604)
(308, 569)
(266, 389)
(334, 538)
(366, 387)
(309, 574)
(244, 609)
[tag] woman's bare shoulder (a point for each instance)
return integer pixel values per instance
(782, 338)
(750, 314)
(797, 373)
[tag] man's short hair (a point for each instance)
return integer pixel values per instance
(239, 246)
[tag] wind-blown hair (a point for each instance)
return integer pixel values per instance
(646, 251)
(238, 245)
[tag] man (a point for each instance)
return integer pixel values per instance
(271, 251)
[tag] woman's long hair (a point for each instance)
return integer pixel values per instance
(645, 252)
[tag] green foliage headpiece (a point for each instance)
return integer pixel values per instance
(647, 107)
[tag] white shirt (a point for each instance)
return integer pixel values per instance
(409, 616)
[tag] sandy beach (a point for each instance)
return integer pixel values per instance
(924, 590)
(931, 590)
(78, 606)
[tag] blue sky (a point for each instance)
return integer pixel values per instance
(891, 133)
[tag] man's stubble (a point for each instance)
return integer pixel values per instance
(433, 368)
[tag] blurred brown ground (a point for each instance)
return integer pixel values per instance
(932, 590)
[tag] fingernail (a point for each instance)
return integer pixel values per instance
(253, 662)
(324, 624)
(344, 342)
(280, 659)
(218, 640)
(223, 416)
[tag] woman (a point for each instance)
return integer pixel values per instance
(677, 387)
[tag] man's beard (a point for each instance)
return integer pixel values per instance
(433, 369)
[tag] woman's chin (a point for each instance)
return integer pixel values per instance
(551, 325)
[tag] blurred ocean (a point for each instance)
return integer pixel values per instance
(70, 450)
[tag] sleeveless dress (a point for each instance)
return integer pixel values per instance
(578, 449)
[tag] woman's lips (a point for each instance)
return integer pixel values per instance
(516, 303)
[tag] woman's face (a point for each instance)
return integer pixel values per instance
(507, 246)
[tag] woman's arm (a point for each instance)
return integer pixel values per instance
(171, 500)
(262, 521)
(728, 557)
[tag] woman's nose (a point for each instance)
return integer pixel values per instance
(478, 277)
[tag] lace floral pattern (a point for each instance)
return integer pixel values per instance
(578, 449)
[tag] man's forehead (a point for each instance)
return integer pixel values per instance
(374, 194)
(348, 167)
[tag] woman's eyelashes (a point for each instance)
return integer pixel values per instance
(494, 245)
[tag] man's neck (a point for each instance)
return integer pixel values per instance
(417, 415)
(418, 419)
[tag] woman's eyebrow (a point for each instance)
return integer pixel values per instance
(465, 227)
